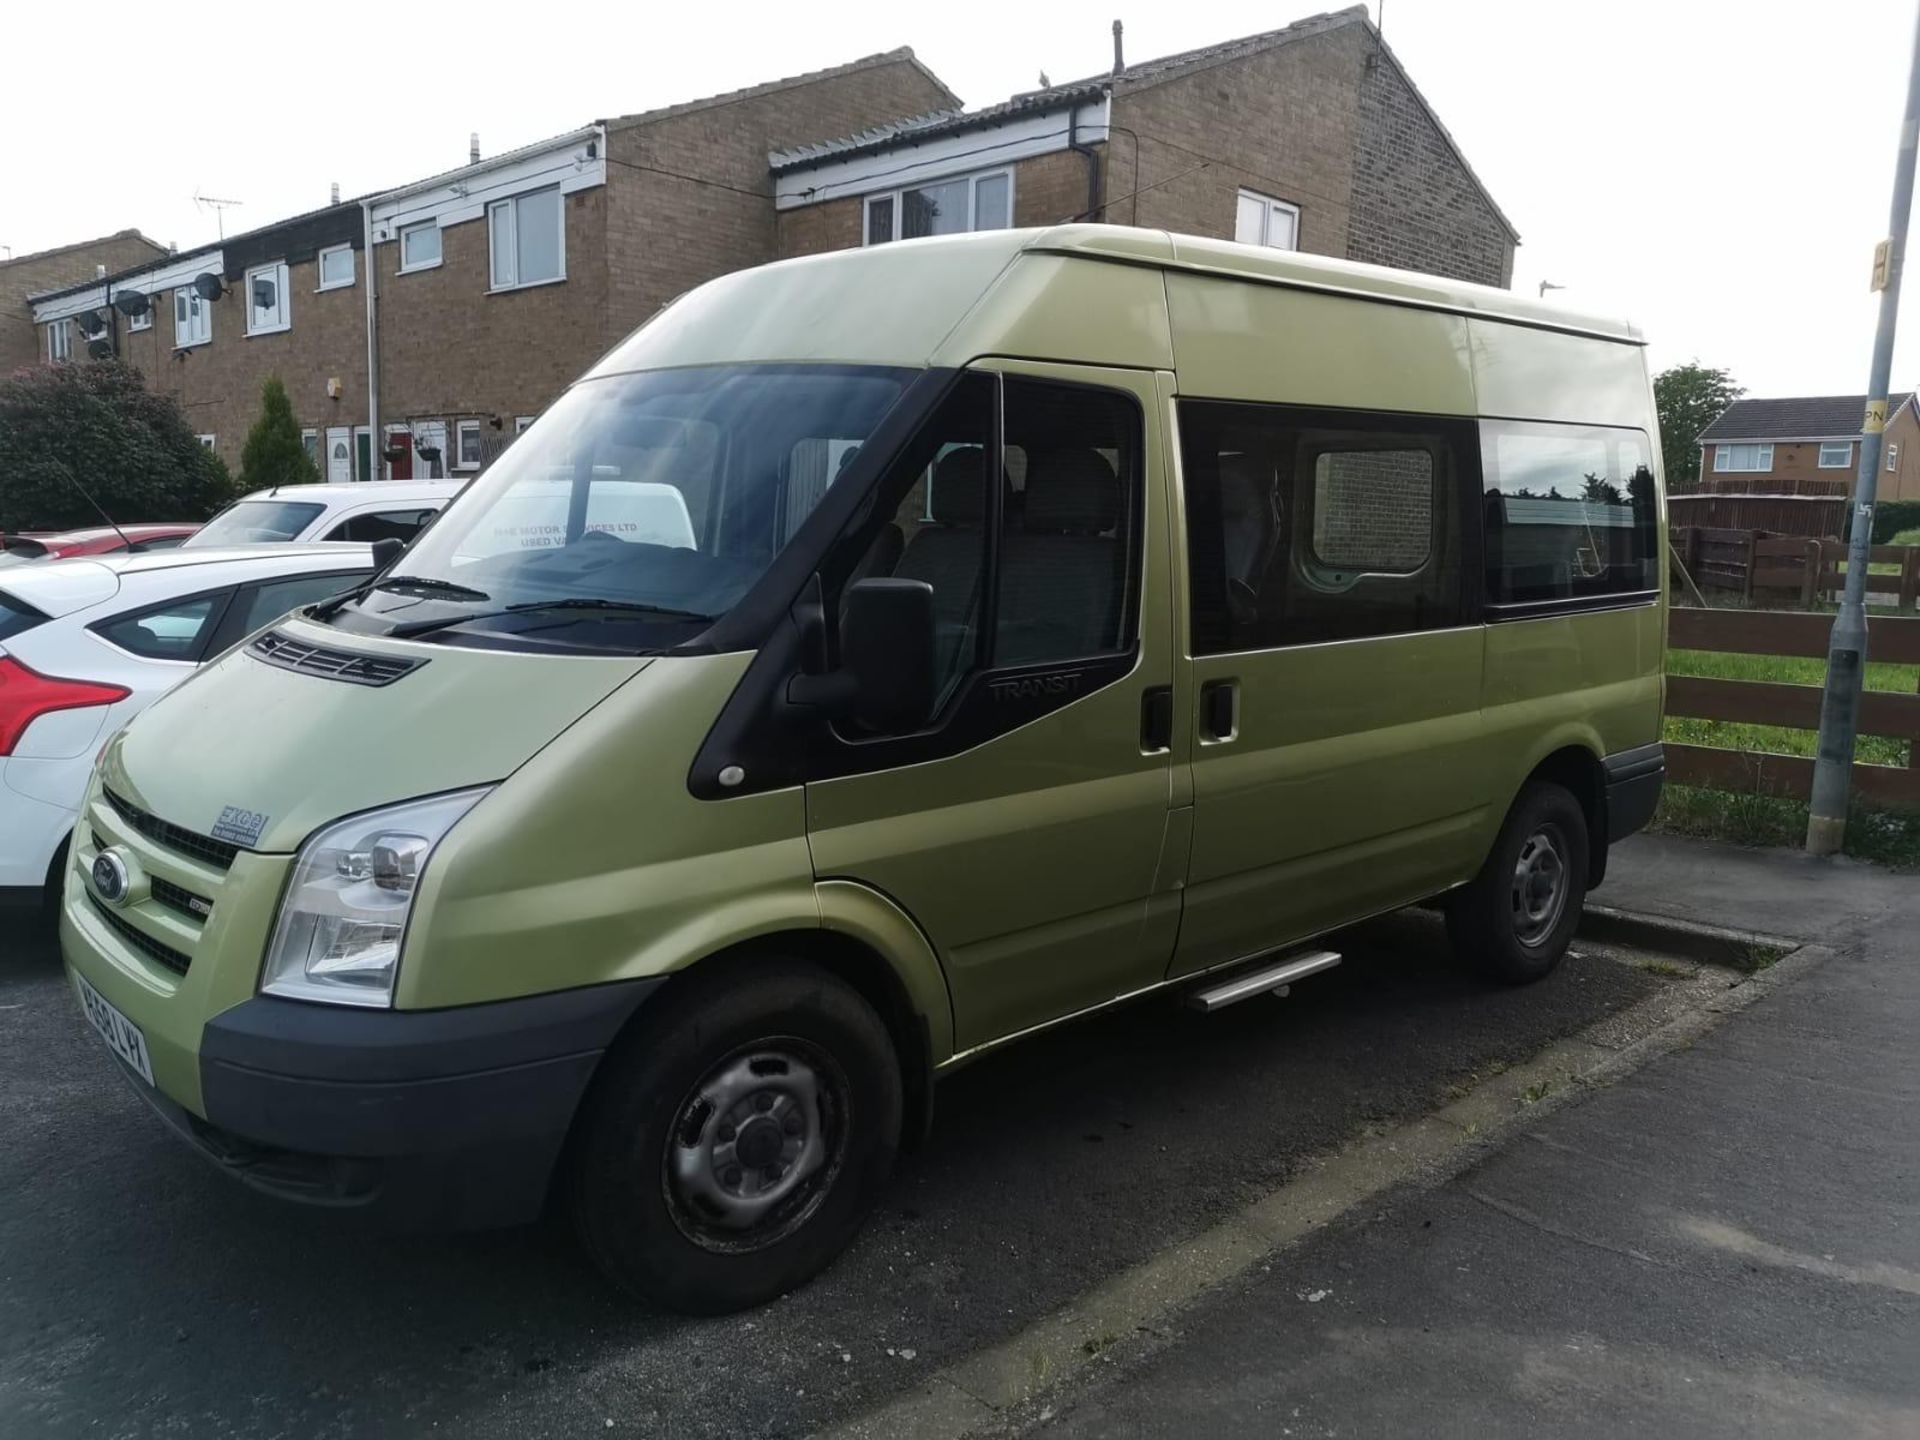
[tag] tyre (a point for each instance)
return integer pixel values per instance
(1514, 920)
(735, 1139)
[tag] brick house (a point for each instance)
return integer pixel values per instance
(418, 329)
(1778, 446)
(1310, 137)
(490, 288)
(27, 275)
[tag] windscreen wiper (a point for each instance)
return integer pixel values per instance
(432, 584)
(525, 607)
(583, 603)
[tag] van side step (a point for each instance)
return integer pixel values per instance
(1272, 979)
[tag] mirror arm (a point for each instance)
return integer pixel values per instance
(832, 694)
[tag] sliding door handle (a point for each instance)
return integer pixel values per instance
(1219, 709)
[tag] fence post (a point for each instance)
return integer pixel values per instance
(1910, 582)
(1753, 546)
(1810, 582)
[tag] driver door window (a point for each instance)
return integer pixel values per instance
(1038, 574)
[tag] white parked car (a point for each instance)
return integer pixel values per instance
(366, 511)
(86, 644)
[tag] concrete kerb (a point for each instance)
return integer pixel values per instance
(1002, 1386)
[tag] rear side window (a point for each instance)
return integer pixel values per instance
(16, 616)
(173, 631)
(401, 525)
(252, 521)
(266, 603)
(1306, 526)
(1571, 513)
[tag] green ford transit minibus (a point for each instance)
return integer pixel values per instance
(877, 658)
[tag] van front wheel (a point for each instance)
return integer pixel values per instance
(1515, 919)
(737, 1137)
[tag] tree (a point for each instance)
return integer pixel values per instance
(274, 453)
(94, 429)
(1689, 398)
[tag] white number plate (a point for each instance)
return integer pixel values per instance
(123, 1037)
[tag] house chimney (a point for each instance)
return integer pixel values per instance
(99, 272)
(1119, 63)
(334, 197)
(473, 147)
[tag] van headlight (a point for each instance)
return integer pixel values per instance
(345, 911)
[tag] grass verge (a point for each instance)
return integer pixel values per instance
(1887, 837)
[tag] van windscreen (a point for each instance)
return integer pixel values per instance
(657, 497)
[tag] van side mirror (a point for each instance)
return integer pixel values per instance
(385, 552)
(886, 675)
(887, 646)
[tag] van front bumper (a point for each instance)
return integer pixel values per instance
(410, 1119)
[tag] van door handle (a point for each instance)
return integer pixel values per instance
(1156, 719)
(1218, 704)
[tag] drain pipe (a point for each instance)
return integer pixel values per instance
(1096, 203)
(373, 351)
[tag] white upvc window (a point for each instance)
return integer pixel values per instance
(1262, 220)
(142, 321)
(526, 240)
(205, 440)
(942, 207)
(310, 442)
(521, 422)
(335, 267)
(192, 318)
(466, 445)
(1743, 458)
(419, 246)
(1836, 454)
(60, 340)
(1893, 456)
(269, 307)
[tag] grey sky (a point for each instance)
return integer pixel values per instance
(1719, 171)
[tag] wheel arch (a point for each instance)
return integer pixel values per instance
(1575, 766)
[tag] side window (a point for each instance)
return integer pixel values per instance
(401, 525)
(262, 604)
(938, 530)
(1307, 526)
(173, 631)
(1067, 530)
(1571, 513)
(1065, 545)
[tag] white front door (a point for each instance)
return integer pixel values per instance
(339, 454)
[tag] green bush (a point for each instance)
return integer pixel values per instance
(96, 427)
(1890, 517)
(274, 453)
(1906, 537)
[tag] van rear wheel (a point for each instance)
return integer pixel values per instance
(1515, 919)
(736, 1138)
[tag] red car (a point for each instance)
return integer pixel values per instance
(99, 540)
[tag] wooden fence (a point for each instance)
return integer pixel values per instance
(1797, 707)
(1811, 516)
(1765, 568)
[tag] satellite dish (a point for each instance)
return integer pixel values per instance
(91, 323)
(132, 302)
(99, 348)
(207, 286)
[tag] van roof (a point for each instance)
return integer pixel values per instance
(1295, 268)
(376, 490)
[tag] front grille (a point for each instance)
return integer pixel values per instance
(178, 897)
(291, 654)
(161, 954)
(204, 848)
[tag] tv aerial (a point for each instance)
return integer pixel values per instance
(219, 208)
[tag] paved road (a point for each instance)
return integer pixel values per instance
(143, 1294)
(1726, 1243)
